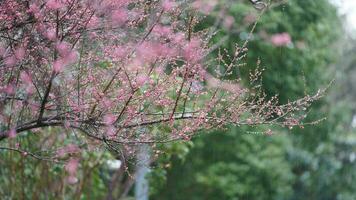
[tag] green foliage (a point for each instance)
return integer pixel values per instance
(25, 177)
(225, 166)
(164, 154)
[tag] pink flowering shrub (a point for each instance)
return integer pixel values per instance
(281, 39)
(110, 69)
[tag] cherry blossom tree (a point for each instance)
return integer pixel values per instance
(124, 72)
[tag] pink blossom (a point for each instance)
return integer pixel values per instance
(110, 131)
(8, 89)
(192, 51)
(150, 51)
(229, 21)
(25, 77)
(205, 6)
(34, 8)
(281, 39)
(93, 22)
(30, 89)
(142, 79)
(63, 48)
(72, 179)
(119, 16)
(72, 166)
(168, 5)
(67, 124)
(54, 4)
(12, 133)
(20, 53)
(179, 38)
(109, 119)
(10, 61)
(164, 31)
(107, 102)
(51, 34)
(58, 66)
(120, 52)
(160, 63)
(70, 58)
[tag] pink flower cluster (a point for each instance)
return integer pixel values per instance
(281, 39)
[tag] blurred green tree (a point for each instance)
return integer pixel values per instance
(314, 162)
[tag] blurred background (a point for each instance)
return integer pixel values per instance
(303, 46)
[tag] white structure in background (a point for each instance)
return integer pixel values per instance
(352, 157)
(143, 163)
(347, 8)
(353, 123)
(114, 164)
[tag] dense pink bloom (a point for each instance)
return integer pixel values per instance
(10, 61)
(54, 4)
(34, 8)
(93, 22)
(120, 52)
(139, 66)
(142, 79)
(168, 5)
(192, 51)
(119, 17)
(110, 131)
(20, 53)
(63, 48)
(58, 66)
(150, 51)
(281, 39)
(68, 56)
(205, 6)
(164, 31)
(51, 34)
(8, 89)
(26, 78)
(179, 38)
(109, 119)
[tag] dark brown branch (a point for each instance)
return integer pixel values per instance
(27, 153)
(45, 98)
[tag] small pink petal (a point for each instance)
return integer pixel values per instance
(281, 39)
(12, 133)
(25, 77)
(72, 179)
(72, 166)
(109, 119)
(20, 53)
